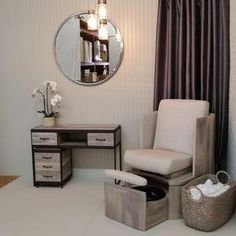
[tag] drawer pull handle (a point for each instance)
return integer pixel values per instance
(44, 139)
(47, 158)
(100, 139)
(47, 167)
(47, 176)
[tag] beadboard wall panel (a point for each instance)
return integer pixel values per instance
(27, 29)
(232, 95)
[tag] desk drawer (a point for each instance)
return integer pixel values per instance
(52, 174)
(48, 176)
(44, 138)
(39, 166)
(100, 139)
(51, 161)
(47, 157)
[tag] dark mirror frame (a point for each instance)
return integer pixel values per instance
(108, 76)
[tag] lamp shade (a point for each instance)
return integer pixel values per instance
(102, 11)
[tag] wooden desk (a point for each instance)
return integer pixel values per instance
(52, 149)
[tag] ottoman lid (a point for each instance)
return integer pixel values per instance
(126, 177)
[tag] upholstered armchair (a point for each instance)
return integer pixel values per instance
(177, 143)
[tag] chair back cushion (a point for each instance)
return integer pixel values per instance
(176, 124)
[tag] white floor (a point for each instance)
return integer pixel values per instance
(77, 209)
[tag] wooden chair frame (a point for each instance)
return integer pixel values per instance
(203, 159)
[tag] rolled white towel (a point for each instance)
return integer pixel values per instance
(222, 190)
(208, 189)
(195, 194)
(208, 183)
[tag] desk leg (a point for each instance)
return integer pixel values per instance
(120, 161)
(115, 150)
(120, 157)
(115, 158)
(71, 162)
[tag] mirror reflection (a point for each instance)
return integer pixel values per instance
(87, 56)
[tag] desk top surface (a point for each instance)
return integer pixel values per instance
(74, 127)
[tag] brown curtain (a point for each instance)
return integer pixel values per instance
(192, 58)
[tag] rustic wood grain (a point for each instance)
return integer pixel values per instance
(48, 176)
(125, 205)
(100, 139)
(175, 207)
(203, 162)
(66, 127)
(173, 187)
(157, 212)
(47, 157)
(179, 173)
(49, 145)
(46, 138)
(130, 207)
(48, 165)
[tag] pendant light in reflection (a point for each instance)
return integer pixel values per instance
(92, 20)
(102, 30)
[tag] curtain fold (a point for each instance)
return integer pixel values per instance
(192, 58)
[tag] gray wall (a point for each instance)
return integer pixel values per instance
(232, 106)
(26, 47)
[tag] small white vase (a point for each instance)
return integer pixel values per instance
(49, 121)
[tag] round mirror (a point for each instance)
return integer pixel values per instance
(86, 56)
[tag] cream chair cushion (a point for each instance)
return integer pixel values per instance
(176, 124)
(159, 161)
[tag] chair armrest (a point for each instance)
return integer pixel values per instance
(148, 129)
(203, 160)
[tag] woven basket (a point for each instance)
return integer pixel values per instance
(208, 213)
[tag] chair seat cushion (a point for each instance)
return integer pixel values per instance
(158, 161)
